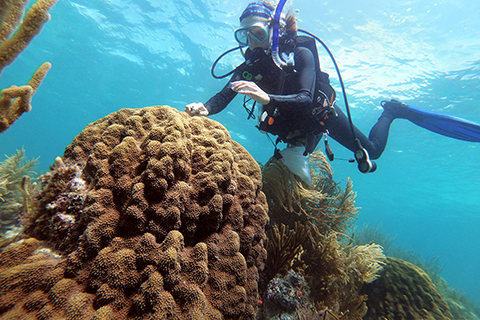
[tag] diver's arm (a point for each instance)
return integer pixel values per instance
(220, 101)
(214, 105)
(196, 109)
(305, 68)
(251, 90)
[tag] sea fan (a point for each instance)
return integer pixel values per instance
(12, 173)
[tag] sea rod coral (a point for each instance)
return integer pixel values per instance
(16, 32)
(150, 214)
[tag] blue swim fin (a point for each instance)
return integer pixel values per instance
(446, 125)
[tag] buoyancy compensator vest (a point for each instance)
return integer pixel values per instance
(309, 123)
(260, 68)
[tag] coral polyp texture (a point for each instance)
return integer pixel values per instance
(151, 214)
(16, 32)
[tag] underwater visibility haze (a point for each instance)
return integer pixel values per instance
(108, 55)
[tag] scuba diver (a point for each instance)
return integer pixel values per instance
(282, 73)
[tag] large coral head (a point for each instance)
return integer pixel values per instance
(158, 213)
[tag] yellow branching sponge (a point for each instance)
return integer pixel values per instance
(15, 101)
(15, 35)
(152, 214)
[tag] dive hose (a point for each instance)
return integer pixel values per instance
(212, 70)
(365, 165)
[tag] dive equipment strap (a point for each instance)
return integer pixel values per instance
(328, 150)
(251, 111)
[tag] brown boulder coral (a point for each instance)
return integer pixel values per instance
(404, 291)
(154, 214)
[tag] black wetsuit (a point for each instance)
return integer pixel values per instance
(292, 94)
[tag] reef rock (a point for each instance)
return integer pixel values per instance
(404, 291)
(286, 297)
(151, 214)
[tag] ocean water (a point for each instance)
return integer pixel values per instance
(108, 55)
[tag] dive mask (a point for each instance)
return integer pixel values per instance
(258, 31)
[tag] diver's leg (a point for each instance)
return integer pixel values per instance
(379, 135)
(340, 130)
(377, 140)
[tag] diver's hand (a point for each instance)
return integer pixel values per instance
(196, 109)
(250, 89)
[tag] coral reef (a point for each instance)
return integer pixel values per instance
(284, 244)
(460, 306)
(308, 233)
(151, 214)
(16, 33)
(404, 291)
(310, 225)
(58, 211)
(14, 178)
(324, 204)
(336, 271)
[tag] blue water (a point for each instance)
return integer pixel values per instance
(115, 54)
